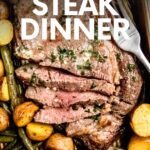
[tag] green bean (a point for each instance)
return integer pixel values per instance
(38, 145)
(25, 140)
(11, 145)
(9, 133)
(6, 139)
(17, 147)
(8, 64)
(20, 91)
(6, 107)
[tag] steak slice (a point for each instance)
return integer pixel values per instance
(54, 79)
(97, 135)
(62, 115)
(80, 57)
(52, 98)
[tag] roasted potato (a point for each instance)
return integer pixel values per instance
(38, 131)
(4, 12)
(59, 142)
(6, 32)
(140, 120)
(4, 93)
(139, 143)
(24, 113)
(4, 120)
(1, 68)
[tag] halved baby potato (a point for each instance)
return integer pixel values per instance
(139, 143)
(24, 113)
(59, 142)
(38, 131)
(4, 120)
(4, 92)
(140, 120)
(1, 68)
(6, 32)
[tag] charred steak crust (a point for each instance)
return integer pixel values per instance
(99, 68)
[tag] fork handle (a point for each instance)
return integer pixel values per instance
(143, 59)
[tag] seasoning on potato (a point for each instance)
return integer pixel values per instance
(139, 143)
(6, 32)
(38, 131)
(24, 113)
(4, 12)
(4, 93)
(140, 120)
(4, 120)
(1, 68)
(59, 142)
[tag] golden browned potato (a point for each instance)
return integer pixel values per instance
(4, 12)
(140, 120)
(4, 93)
(139, 143)
(59, 142)
(38, 131)
(6, 32)
(4, 120)
(1, 68)
(24, 113)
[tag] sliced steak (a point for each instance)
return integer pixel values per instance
(54, 79)
(80, 57)
(121, 104)
(97, 135)
(62, 115)
(52, 98)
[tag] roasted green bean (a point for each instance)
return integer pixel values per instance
(8, 64)
(6, 139)
(6, 107)
(17, 147)
(9, 133)
(25, 139)
(38, 145)
(11, 145)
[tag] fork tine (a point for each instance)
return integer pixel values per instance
(123, 11)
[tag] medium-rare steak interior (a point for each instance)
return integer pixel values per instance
(90, 85)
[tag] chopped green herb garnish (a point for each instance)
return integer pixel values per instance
(87, 110)
(131, 67)
(93, 85)
(42, 83)
(134, 78)
(86, 66)
(66, 53)
(97, 55)
(118, 57)
(96, 117)
(33, 79)
(21, 48)
(53, 58)
(96, 107)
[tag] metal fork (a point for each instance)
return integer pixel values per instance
(133, 44)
